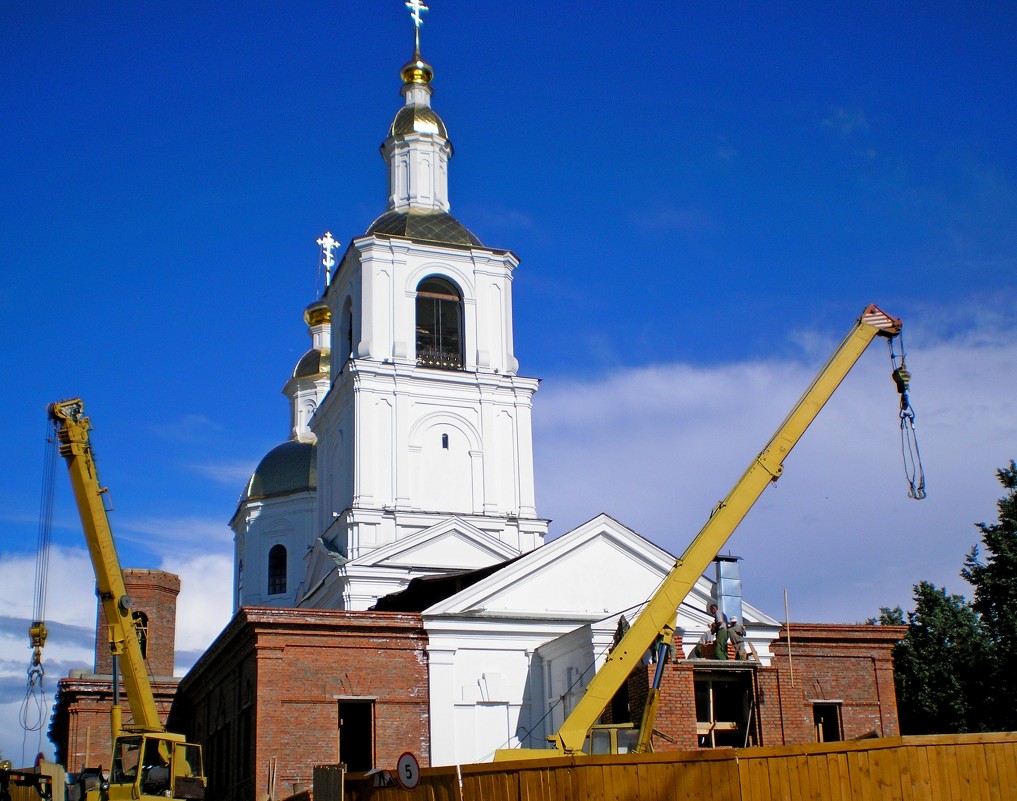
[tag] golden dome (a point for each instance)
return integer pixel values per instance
(417, 118)
(416, 70)
(317, 313)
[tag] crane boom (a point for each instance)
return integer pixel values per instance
(657, 616)
(149, 763)
(72, 429)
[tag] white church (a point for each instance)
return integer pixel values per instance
(410, 456)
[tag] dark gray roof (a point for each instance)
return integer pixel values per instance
(287, 468)
(427, 226)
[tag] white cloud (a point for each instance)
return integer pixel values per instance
(205, 602)
(71, 601)
(182, 537)
(657, 447)
(203, 608)
(231, 474)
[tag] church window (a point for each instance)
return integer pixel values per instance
(277, 570)
(444, 441)
(439, 325)
(346, 343)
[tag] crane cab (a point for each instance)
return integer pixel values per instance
(151, 766)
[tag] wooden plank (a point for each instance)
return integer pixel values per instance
(760, 779)
(801, 788)
(593, 782)
(991, 791)
(819, 777)
(778, 788)
(726, 779)
(582, 780)
(886, 773)
(939, 771)
(1004, 757)
(844, 778)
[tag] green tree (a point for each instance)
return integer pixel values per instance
(954, 668)
(995, 600)
(939, 665)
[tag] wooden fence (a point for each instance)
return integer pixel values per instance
(974, 767)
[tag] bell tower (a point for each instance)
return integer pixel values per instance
(427, 418)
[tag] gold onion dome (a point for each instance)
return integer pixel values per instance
(416, 118)
(317, 313)
(416, 70)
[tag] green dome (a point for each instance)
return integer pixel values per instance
(287, 468)
(426, 226)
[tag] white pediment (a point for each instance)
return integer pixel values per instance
(598, 568)
(452, 544)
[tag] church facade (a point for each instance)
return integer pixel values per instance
(393, 590)
(411, 449)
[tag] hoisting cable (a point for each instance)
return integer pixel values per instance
(33, 708)
(913, 471)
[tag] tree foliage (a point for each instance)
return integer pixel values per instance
(953, 669)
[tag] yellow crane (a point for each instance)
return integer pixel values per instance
(657, 618)
(147, 761)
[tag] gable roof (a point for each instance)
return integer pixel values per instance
(567, 577)
(450, 545)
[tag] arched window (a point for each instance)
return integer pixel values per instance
(277, 570)
(439, 325)
(141, 625)
(346, 340)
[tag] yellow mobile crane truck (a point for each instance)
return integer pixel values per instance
(147, 762)
(657, 619)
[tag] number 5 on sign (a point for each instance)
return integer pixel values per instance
(408, 771)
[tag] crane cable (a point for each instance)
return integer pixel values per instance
(913, 471)
(33, 707)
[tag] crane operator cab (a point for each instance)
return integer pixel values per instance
(154, 766)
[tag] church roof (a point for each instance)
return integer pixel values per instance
(425, 591)
(313, 362)
(417, 118)
(287, 468)
(425, 225)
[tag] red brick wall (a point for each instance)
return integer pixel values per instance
(852, 664)
(153, 592)
(849, 664)
(266, 693)
(676, 711)
(80, 727)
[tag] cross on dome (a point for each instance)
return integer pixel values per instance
(416, 8)
(327, 245)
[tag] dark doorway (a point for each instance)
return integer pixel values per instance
(827, 720)
(356, 735)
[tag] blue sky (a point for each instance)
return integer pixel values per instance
(703, 198)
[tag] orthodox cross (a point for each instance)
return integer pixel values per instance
(416, 8)
(327, 245)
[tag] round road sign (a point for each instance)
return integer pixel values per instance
(407, 771)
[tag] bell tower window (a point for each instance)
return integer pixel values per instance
(439, 325)
(277, 570)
